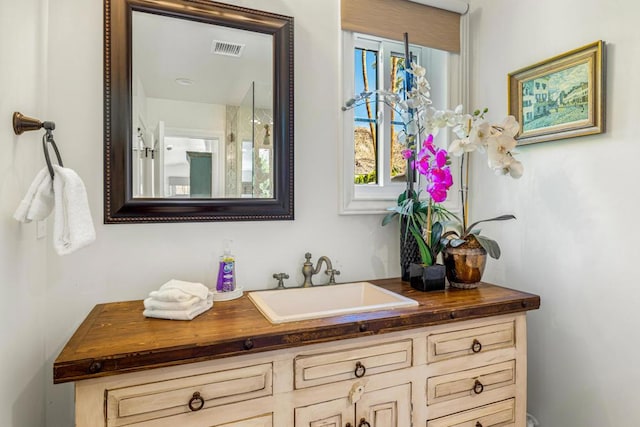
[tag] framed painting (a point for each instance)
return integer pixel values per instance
(562, 97)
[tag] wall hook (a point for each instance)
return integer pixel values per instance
(22, 123)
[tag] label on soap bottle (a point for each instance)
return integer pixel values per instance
(226, 275)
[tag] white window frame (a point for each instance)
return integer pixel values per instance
(450, 91)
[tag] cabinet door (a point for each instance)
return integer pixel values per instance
(334, 413)
(388, 407)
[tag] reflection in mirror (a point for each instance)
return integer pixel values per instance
(198, 112)
(198, 90)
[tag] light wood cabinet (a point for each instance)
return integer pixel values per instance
(388, 407)
(467, 373)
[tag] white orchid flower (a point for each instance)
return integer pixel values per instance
(460, 146)
(499, 151)
(412, 128)
(441, 118)
(418, 70)
(516, 169)
(479, 133)
(510, 126)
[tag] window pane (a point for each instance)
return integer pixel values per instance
(365, 117)
(398, 164)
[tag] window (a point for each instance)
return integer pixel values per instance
(378, 64)
(373, 170)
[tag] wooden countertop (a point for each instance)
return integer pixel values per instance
(116, 338)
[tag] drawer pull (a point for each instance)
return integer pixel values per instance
(360, 371)
(478, 387)
(476, 347)
(478, 424)
(95, 367)
(197, 400)
(364, 423)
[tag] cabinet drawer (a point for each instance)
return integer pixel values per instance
(471, 382)
(449, 345)
(261, 421)
(165, 398)
(499, 414)
(311, 370)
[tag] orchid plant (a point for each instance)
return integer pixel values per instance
(433, 164)
(498, 141)
(426, 219)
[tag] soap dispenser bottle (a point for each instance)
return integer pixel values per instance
(227, 271)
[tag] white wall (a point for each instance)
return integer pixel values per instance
(128, 261)
(22, 256)
(185, 115)
(575, 240)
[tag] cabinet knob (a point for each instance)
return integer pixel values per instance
(360, 370)
(478, 387)
(348, 425)
(478, 424)
(196, 402)
(95, 367)
(248, 344)
(476, 347)
(363, 423)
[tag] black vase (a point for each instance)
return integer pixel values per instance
(427, 278)
(409, 250)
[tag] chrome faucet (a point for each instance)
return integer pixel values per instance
(308, 270)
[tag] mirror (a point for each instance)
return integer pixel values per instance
(198, 112)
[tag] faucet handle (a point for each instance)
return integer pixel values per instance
(280, 278)
(332, 273)
(307, 257)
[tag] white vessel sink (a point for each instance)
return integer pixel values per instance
(290, 305)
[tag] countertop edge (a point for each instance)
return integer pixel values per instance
(363, 325)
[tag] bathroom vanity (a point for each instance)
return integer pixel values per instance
(456, 359)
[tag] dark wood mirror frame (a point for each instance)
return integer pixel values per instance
(119, 205)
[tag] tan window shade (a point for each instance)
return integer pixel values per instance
(426, 25)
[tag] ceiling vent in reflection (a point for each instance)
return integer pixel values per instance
(227, 48)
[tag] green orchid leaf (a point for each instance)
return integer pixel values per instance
(453, 226)
(389, 217)
(425, 251)
(449, 233)
(436, 235)
(489, 245)
(456, 242)
(498, 218)
(436, 230)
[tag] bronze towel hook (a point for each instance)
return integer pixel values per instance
(22, 123)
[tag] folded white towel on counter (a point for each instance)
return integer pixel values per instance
(170, 295)
(73, 226)
(154, 304)
(179, 290)
(38, 202)
(188, 314)
(178, 311)
(178, 300)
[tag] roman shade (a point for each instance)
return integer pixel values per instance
(427, 26)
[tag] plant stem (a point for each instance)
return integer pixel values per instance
(407, 88)
(428, 224)
(466, 193)
(464, 188)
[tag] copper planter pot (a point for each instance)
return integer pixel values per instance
(465, 265)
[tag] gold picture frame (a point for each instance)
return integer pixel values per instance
(562, 97)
